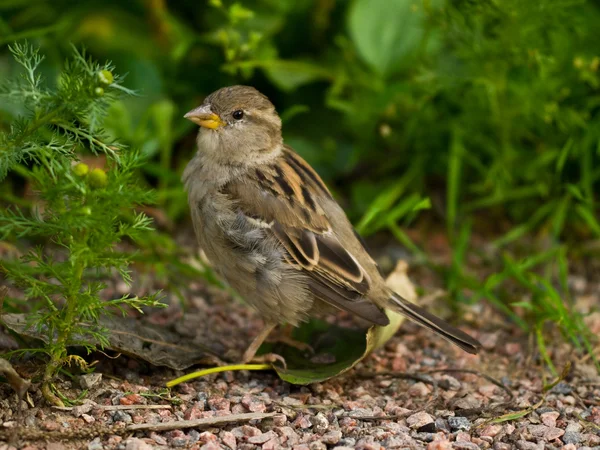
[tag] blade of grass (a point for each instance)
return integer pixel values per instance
(453, 181)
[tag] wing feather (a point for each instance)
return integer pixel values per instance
(287, 194)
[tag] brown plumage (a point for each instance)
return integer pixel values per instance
(271, 228)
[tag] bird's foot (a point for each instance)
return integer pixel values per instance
(294, 343)
(268, 358)
(284, 336)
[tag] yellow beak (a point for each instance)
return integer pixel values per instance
(204, 117)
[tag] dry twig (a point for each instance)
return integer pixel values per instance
(209, 421)
(115, 407)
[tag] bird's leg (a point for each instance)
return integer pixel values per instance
(284, 335)
(250, 353)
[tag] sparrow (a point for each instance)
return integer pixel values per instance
(271, 228)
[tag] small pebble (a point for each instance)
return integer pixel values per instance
(31, 421)
(194, 413)
(526, 445)
(462, 436)
(459, 423)
(467, 402)
(440, 445)
(179, 442)
(89, 380)
(158, 438)
(491, 430)
(262, 438)
(574, 426)
(502, 446)
(449, 383)
(79, 410)
(245, 430)
(425, 437)
(201, 400)
(419, 420)
(228, 439)
(288, 436)
(441, 424)
(136, 444)
(272, 444)
(132, 399)
(302, 421)
(320, 423)
(204, 437)
(465, 445)
(347, 442)
(562, 388)
(549, 418)
(253, 404)
(87, 418)
(279, 420)
(571, 437)
(95, 444)
(121, 416)
(219, 404)
(332, 437)
(419, 389)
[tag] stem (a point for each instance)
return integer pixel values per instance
(49, 372)
(82, 134)
(40, 122)
(59, 348)
(201, 373)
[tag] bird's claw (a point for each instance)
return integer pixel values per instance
(269, 358)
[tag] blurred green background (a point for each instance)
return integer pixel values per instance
(478, 118)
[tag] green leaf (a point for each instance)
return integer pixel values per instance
(337, 349)
(286, 75)
(387, 33)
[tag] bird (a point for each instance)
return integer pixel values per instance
(271, 228)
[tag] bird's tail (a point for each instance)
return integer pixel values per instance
(435, 324)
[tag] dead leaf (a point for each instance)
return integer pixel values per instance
(157, 345)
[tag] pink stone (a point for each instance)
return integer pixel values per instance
(253, 404)
(440, 445)
(228, 439)
(206, 437)
(491, 430)
(302, 421)
(262, 438)
(419, 420)
(272, 444)
(219, 404)
(193, 413)
(549, 418)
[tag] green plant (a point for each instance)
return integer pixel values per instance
(78, 215)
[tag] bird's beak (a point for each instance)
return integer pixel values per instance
(204, 117)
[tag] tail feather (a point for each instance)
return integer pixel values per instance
(435, 324)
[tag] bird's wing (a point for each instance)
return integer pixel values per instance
(286, 197)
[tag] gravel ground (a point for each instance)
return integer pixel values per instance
(416, 392)
(389, 401)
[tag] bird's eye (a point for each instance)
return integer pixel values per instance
(237, 115)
